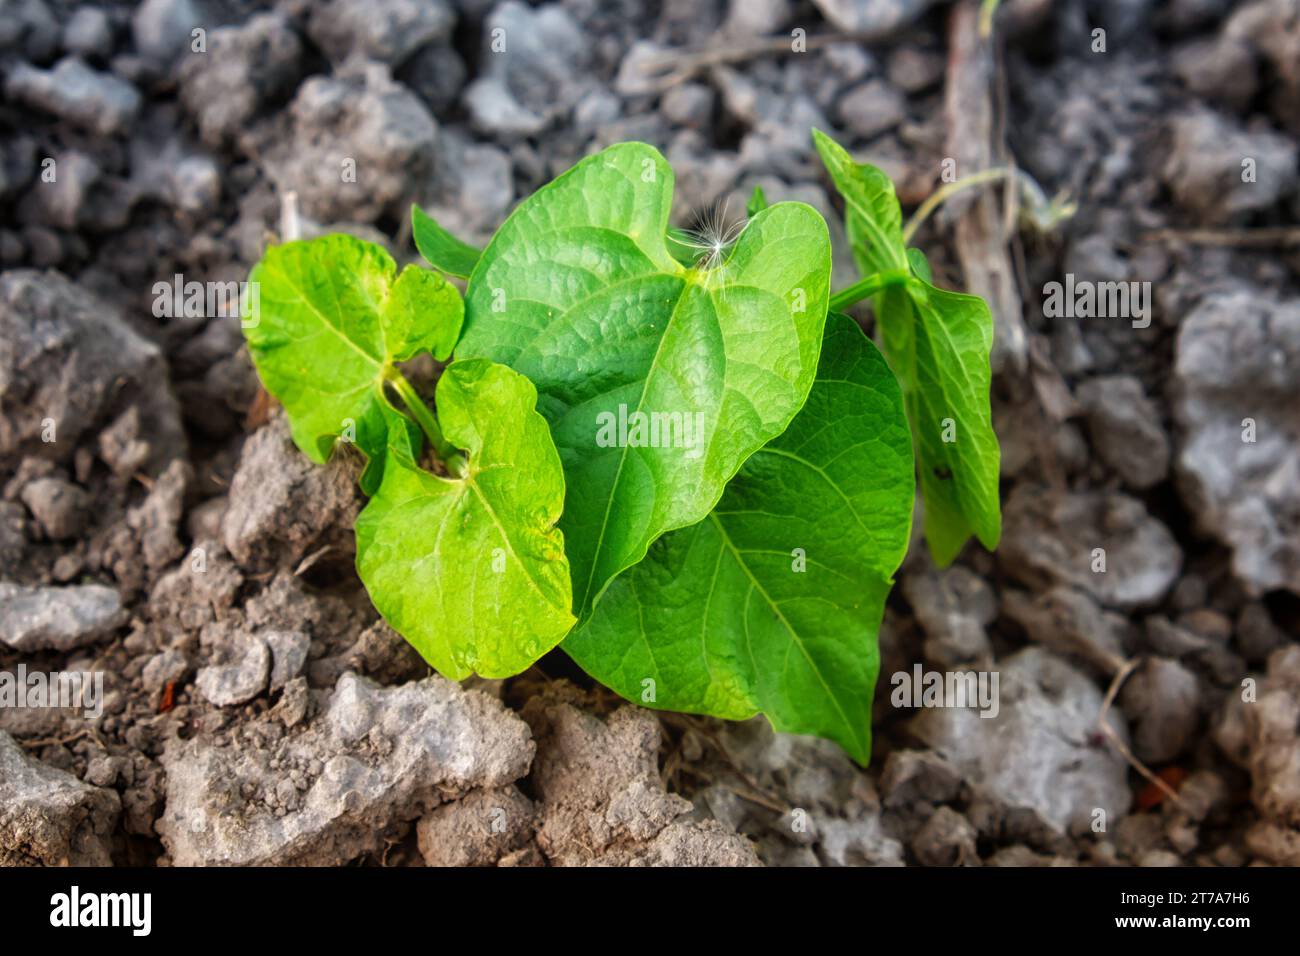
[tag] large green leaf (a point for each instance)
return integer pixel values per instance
(472, 570)
(938, 344)
(332, 317)
(717, 620)
(579, 292)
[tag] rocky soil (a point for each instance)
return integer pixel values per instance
(157, 525)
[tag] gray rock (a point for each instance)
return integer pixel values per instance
(388, 31)
(242, 676)
(1205, 167)
(245, 67)
(778, 122)
(68, 360)
(104, 771)
(1068, 621)
(1125, 428)
(1270, 842)
(59, 507)
(1272, 29)
(282, 505)
(598, 110)
(13, 534)
(1262, 736)
(18, 166)
(376, 758)
(915, 70)
(703, 176)
(1257, 636)
(50, 818)
(62, 202)
(601, 800)
(477, 830)
(437, 74)
(288, 654)
(876, 19)
(57, 618)
(756, 18)
(860, 842)
(29, 26)
(1222, 70)
(294, 704)
(1162, 701)
(195, 184)
(156, 520)
(100, 102)
(163, 29)
(540, 75)
(953, 607)
(1236, 377)
(88, 32)
(162, 669)
(1172, 640)
(1036, 752)
(360, 146)
(871, 109)
(1058, 538)
(43, 247)
(946, 839)
(918, 776)
(689, 104)
(473, 187)
(636, 72)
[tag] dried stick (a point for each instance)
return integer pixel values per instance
(1104, 726)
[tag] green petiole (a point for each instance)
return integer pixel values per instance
(866, 288)
(447, 453)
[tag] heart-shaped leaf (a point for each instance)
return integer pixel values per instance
(658, 379)
(773, 602)
(328, 319)
(472, 570)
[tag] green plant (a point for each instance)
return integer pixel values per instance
(673, 453)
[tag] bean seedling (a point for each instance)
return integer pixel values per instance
(685, 467)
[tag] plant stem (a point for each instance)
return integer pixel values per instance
(939, 195)
(988, 9)
(446, 452)
(865, 288)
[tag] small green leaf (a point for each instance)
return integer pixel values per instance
(938, 343)
(873, 219)
(332, 318)
(578, 291)
(774, 601)
(440, 248)
(920, 265)
(757, 202)
(472, 570)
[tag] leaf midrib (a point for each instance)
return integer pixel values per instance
(794, 634)
(301, 294)
(514, 553)
(622, 458)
